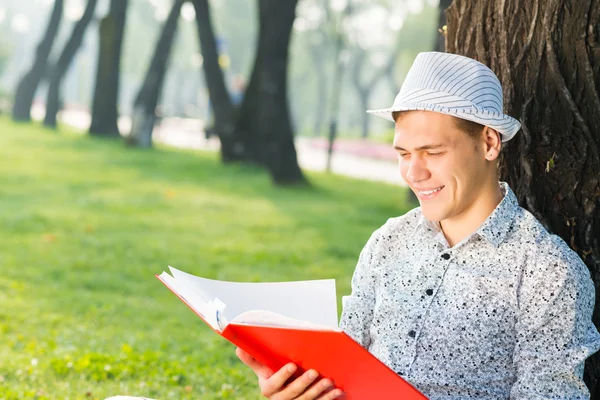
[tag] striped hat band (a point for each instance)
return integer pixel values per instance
(454, 85)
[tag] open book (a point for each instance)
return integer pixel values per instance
(283, 322)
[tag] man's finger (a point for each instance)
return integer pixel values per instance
(299, 386)
(261, 370)
(316, 390)
(334, 394)
(275, 384)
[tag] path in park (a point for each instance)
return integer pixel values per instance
(353, 158)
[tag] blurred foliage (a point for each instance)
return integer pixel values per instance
(235, 24)
(416, 33)
(5, 54)
(86, 223)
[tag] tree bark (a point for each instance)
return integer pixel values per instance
(222, 106)
(65, 59)
(263, 124)
(547, 56)
(106, 93)
(144, 107)
(28, 84)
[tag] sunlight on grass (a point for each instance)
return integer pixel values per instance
(86, 223)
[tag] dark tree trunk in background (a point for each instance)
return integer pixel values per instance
(440, 38)
(65, 59)
(263, 124)
(223, 109)
(260, 130)
(27, 86)
(144, 107)
(547, 56)
(106, 93)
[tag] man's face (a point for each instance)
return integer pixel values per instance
(443, 165)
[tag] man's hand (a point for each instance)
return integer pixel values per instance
(273, 384)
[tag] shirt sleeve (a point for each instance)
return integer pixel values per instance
(357, 309)
(554, 329)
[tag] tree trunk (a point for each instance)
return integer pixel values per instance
(260, 131)
(317, 56)
(391, 80)
(336, 92)
(223, 109)
(65, 59)
(363, 98)
(547, 56)
(144, 107)
(363, 90)
(440, 38)
(263, 124)
(28, 84)
(106, 93)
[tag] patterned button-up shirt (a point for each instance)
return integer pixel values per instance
(504, 314)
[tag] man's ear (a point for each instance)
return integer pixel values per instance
(493, 143)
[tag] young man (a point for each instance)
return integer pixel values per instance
(467, 296)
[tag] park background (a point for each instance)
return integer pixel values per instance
(228, 138)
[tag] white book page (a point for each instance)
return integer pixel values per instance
(207, 310)
(267, 318)
(309, 301)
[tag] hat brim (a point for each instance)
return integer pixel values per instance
(506, 125)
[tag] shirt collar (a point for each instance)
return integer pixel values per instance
(496, 225)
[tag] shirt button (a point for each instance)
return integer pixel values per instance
(446, 256)
(429, 292)
(412, 333)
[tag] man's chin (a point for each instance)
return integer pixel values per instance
(432, 215)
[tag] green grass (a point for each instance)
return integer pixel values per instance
(86, 223)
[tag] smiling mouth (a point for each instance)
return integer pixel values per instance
(430, 192)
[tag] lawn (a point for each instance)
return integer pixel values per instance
(85, 224)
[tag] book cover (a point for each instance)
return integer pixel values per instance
(281, 322)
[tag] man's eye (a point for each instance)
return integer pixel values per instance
(435, 154)
(403, 155)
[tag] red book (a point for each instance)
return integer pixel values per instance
(283, 322)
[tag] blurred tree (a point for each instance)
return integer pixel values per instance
(221, 104)
(440, 39)
(236, 23)
(263, 127)
(260, 130)
(365, 86)
(374, 56)
(318, 50)
(106, 92)
(66, 57)
(144, 108)
(547, 56)
(340, 56)
(28, 84)
(5, 54)
(313, 26)
(418, 33)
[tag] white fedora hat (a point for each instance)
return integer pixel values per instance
(454, 85)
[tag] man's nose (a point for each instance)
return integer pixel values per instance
(417, 170)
